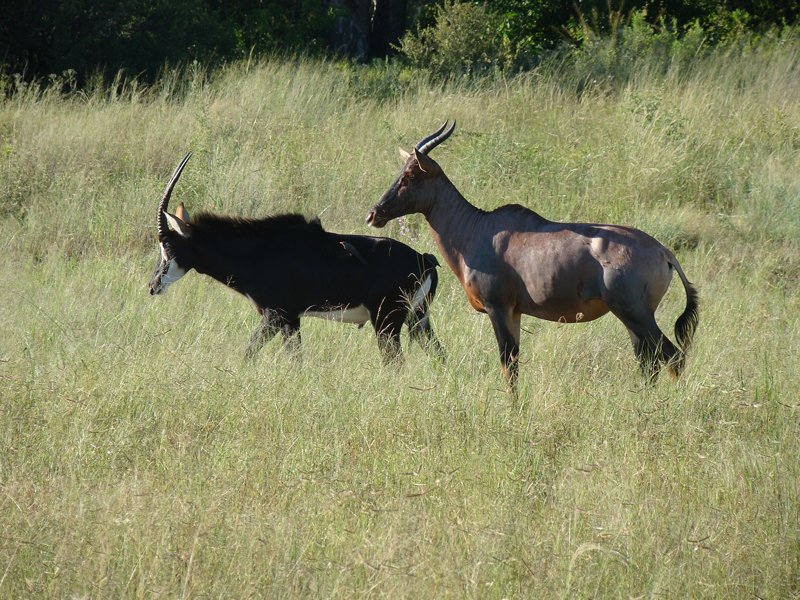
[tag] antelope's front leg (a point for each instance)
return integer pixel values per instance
(267, 329)
(506, 324)
(291, 336)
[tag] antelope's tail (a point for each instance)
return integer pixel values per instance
(686, 325)
(419, 322)
(426, 287)
(429, 262)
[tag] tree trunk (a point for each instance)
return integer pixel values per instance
(388, 25)
(351, 31)
(368, 28)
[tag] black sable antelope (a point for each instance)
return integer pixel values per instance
(511, 262)
(291, 267)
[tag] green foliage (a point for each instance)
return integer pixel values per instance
(465, 39)
(719, 20)
(633, 44)
(533, 26)
(273, 26)
(469, 38)
(101, 37)
(529, 29)
(636, 48)
(142, 36)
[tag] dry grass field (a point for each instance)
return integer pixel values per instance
(141, 456)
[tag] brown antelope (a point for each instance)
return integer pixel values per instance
(511, 261)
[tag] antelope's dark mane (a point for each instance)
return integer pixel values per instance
(225, 225)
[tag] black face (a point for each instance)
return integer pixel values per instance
(398, 199)
(380, 213)
(413, 192)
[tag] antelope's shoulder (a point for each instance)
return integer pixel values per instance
(516, 217)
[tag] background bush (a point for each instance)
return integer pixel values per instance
(452, 37)
(464, 39)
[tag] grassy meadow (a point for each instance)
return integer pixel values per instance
(140, 456)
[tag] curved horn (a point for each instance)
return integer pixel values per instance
(425, 140)
(162, 206)
(433, 140)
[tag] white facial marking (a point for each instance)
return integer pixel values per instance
(421, 293)
(174, 272)
(356, 314)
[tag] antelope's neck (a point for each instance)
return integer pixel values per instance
(223, 265)
(455, 224)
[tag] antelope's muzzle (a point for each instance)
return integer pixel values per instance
(375, 219)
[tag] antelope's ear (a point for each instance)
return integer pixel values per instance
(178, 225)
(426, 163)
(403, 154)
(182, 213)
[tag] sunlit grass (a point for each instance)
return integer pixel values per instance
(140, 455)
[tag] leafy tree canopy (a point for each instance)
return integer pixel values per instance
(140, 36)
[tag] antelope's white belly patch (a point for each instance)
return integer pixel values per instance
(356, 314)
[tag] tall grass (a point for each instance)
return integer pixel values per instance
(140, 456)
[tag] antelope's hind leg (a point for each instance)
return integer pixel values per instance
(268, 327)
(421, 331)
(653, 349)
(387, 328)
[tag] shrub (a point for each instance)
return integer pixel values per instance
(465, 39)
(633, 45)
